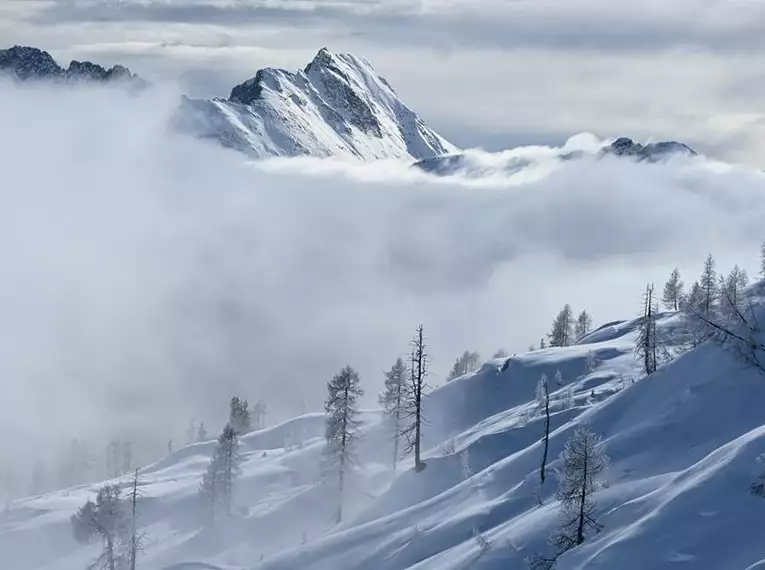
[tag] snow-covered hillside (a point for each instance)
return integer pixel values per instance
(683, 444)
(336, 106)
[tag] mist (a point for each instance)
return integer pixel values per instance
(148, 277)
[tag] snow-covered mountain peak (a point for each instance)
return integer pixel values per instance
(336, 105)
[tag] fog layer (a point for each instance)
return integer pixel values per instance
(148, 277)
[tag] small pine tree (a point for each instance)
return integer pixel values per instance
(542, 344)
(342, 428)
(762, 259)
(563, 328)
(393, 399)
(583, 325)
(501, 353)
(558, 378)
(732, 287)
(673, 291)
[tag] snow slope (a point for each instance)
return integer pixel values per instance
(683, 445)
(336, 106)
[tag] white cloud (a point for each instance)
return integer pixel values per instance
(147, 274)
(494, 70)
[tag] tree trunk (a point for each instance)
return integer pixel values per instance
(343, 453)
(133, 535)
(583, 500)
(547, 435)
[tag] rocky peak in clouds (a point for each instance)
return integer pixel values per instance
(624, 146)
(337, 105)
(29, 63)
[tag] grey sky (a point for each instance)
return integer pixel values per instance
(492, 73)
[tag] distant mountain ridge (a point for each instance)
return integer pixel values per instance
(27, 63)
(470, 163)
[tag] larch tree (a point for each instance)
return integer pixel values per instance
(646, 348)
(218, 481)
(583, 325)
(468, 362)
(201, 432)
(240, 418)
(393, 399)
(732, 287)
(414, 419)
(673, 291)
(342, 428)
(584, 464)
(105, 519)
(563, 328)
(543, 400)
(709, 287)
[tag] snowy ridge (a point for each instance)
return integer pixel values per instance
(474, 163)
(336, 106)
(683, 444)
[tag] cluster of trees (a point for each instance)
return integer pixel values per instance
(567, 330)
(402, 400)
(111, 519)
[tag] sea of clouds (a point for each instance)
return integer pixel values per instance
(147, 277)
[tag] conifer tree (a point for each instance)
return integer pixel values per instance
(217, 486)
(105, 519)
(673, 291)
(584, 462)
(563, 328)
(239, 416)
(470, 361)
(646, 346)
(709, 287)
(543, 399)
(412, 429)
(191, 433)
(201, 432)
(762, 259)
(583, 325)
(342, 427)
(393, 400)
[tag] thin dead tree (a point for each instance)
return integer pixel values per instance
(412, 431)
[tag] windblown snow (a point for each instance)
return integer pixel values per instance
(683, 444)
(336, 106)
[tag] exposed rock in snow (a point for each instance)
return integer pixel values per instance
(652, 151)
(28, 63)
(337, 105)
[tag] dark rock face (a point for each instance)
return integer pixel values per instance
(29, 63)
(652, 152)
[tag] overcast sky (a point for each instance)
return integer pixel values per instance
(491, 73)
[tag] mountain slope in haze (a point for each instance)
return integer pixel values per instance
(336, 106)
(26, 63)
(683, 445)
(479, 164)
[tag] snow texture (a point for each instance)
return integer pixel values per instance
(683, 445)
(336, 106)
